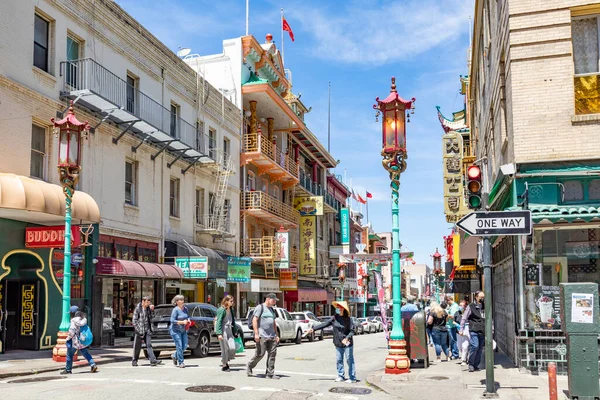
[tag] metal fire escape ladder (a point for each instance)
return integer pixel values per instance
(219, 220)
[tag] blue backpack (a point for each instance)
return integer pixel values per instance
(85, 336)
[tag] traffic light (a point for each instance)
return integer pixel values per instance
(474, 187)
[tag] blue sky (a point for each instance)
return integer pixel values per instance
(358, 45)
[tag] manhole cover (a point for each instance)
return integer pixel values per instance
(38, 379)
(210, 389)
(344, 390)
(438, 378)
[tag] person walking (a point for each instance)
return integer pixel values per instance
(226, 331)
(265, 336)
(452, 326)
(474, 316)
(142, 324)
(439, 331)
(180, 320)
(410, 304)
(463, 339)
(73, 344)
(343, 332)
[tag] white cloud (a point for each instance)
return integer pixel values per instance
(376, 33)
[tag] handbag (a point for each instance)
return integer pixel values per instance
(239, 345)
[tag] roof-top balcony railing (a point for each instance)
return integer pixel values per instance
(103, 91)
(257, 143)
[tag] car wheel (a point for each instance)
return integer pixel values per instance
(311, 338)
(156, 354)
(203, 346)
(298, 339)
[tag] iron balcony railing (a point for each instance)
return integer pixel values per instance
(313, 187)
(261, 201)
(216, 223)
(88, 75)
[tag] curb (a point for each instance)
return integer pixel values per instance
(61, 366)
(376, 386)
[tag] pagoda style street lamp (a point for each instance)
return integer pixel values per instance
(341, 278)
(437, 271)
(393, 110)
(69, 132)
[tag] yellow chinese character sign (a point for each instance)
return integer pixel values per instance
(309, 205)
(308, 246)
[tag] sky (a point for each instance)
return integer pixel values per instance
(357, 45)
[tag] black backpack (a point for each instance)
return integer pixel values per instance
(251, 315)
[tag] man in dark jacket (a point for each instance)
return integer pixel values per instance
(474, 315)
(142, 324)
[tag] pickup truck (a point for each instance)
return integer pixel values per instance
(287, 327)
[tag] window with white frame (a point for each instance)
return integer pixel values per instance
(174, 197)
(38, 152)
(212, 143)
(200, 206)
(130, 182)
(74, 47)
(132, 91)
(226, 149)
(41, 43)
(585, 44)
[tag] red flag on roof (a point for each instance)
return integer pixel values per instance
(360, 199)
(286, 27)
(354, 195)
(369, 195)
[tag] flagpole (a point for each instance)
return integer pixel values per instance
(329, 117)
(282, 52)
(367, 205)
(247, 17)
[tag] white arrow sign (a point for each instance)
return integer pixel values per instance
(496, 223)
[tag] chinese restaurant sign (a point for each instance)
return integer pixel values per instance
(50, 236)
(238, 269)
(283, 238)
(193, 267)
(309, 205)
(454, 205)
(308, 248)
(345, 225)
(288, 279)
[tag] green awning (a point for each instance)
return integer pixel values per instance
(563, 213)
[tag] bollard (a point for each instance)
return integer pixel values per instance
(552, 381)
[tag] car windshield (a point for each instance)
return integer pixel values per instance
(163, 311)
(298, 317)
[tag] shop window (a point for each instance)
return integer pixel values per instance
(77, 271)
(41, 43)
(174, 197)
(106, 249)
(147, 255)
(594, 189)
(573, 191)
(38, 152)
(125, 252)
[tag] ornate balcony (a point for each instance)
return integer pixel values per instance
(261, 205)
(269, 159)
(264, 248)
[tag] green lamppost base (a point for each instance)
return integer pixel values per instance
(397, 362)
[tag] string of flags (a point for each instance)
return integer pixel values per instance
(359, 198)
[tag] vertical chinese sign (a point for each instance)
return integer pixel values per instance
(308, 246)
(454, 205)
(238, 269)
(283, 238)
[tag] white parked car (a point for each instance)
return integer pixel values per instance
(368, 326)
(307, 320)
(287, 327)
(378, 323)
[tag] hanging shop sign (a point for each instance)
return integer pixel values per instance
(345, 225)
(309, 205)
(261, 286)
(283, 238)
(238, 269)
(50, 236)
(193, 267)
(288, 279)
(454, 204)
(308, 246)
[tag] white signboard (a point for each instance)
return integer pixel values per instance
(582, 308)
(494, 223)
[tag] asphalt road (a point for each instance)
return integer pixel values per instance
(307, 371)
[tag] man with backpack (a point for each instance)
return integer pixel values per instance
(142, 324)
(265, 335)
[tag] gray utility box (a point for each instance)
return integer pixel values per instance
(579, 313)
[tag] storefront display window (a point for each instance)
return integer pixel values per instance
(77, 271)
(553, 257)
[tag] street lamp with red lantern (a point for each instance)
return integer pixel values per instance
(393, 111)
(69, 132)
(437, 272)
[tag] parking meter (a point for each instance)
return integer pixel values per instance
(579, 313)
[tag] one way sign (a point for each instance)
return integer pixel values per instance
(496, 223)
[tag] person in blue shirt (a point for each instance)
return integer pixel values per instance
(410, 304)
(452, 326)
(180, 319)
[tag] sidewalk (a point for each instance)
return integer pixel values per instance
(25, 362)
(450, 380)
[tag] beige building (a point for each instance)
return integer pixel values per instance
(161, 162)
(534, 115)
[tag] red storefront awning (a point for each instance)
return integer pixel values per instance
(307, 295)
(137, 269)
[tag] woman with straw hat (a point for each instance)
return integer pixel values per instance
(343, 331)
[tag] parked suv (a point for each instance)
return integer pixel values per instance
(287, 327)
(201, 337)
(306, 320)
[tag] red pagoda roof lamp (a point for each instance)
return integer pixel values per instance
(71, 119)
(436, 254)
(394, 96)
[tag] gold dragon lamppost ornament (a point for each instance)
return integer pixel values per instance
(395, 113)
(69, 132)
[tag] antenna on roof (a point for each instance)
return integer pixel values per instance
(183, 52)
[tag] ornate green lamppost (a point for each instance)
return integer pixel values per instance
(393, 110)
(341, 278)
(437, 272)
(69, 132)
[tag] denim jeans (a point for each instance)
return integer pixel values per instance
(181, 343)
(348, 352)
(440, 340)
(453, 333)
(429, 335)
(71, 352)
(476, 343)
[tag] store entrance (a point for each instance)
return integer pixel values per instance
(22, 312)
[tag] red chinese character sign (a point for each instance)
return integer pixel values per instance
(308, 246)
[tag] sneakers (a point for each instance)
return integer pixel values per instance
(154, 363)
(93, 368)
(272, 376)
(462, 364)
(351, 381)
(65, 372)
(134, 363)
(182, 365)
(225, 368)
(340, 379)
(249, 372)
